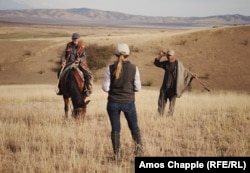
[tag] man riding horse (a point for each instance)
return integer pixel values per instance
(75, 53)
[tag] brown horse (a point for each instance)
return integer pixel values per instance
(72, 85)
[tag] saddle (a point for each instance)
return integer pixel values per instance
(73, 66)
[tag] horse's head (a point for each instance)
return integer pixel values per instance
(80, 113)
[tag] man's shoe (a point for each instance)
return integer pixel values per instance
(59, 92)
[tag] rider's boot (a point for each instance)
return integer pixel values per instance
(59, 91)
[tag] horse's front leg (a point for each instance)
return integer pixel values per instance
(66, 107)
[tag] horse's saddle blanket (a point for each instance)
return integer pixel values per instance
(73, 66)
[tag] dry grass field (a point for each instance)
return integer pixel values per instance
(35, 137)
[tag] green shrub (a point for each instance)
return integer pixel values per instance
(41, 71)
(27, 53)
(244, 42)
(98, 56)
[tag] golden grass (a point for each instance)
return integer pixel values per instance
(36, 138)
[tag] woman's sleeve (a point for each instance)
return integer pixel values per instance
(106, 80)
(137, 81)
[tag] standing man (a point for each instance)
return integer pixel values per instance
(175, 82)
(75, 53)
(121, 81)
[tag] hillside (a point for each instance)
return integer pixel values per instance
(93, 17)
(220, 56)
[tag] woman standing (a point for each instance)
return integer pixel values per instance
(121, 81)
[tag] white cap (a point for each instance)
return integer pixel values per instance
(170, 52)
(122, 49)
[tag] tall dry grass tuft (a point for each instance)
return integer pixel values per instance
(36, 138)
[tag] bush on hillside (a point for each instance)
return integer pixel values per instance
(98, 56)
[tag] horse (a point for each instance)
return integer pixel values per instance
(72, 86)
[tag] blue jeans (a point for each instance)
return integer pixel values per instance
(114, 111)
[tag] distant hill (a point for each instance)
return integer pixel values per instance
(85, 16)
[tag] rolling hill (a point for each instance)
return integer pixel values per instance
(219, 55)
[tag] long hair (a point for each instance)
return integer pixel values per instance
(118, 65)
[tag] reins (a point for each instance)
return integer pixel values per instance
(56, 88)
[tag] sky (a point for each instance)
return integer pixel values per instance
(163, 8)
